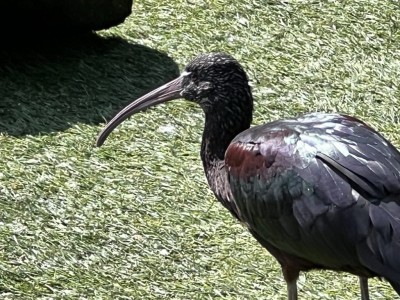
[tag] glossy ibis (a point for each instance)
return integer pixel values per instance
(320, 191)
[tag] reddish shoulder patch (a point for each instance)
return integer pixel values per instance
(244, 160)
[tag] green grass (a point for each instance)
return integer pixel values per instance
(135, 219)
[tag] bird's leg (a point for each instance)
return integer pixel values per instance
(292, 290)
(364, 288)
(291, 275)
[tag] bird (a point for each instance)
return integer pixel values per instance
(318, 191)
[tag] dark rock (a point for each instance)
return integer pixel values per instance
(49, 16)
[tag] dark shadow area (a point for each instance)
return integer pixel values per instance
(49, 87)
(54, 17)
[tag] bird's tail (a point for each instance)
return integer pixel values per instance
(392, 275)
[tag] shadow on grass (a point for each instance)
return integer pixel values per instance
(85, 80)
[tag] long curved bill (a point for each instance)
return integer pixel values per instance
(169, 91)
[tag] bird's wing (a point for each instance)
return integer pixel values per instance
(302, 181)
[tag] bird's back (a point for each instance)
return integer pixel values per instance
(324, 188)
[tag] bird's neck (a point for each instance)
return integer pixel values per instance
(231, 114)
(218, 133)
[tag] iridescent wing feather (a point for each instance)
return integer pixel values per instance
(322, 187)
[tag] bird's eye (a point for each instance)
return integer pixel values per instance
(205, 85)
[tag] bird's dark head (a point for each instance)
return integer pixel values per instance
(216, 81)
(213, 79)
